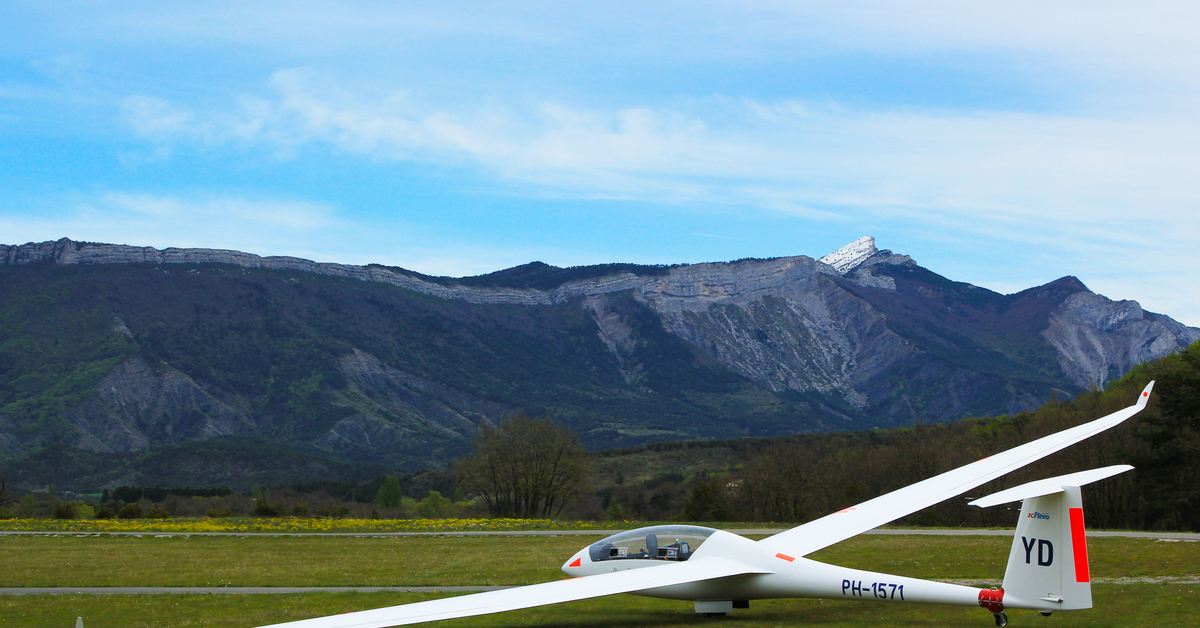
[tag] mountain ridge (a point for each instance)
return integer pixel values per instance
(121, 349)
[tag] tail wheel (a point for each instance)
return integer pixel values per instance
(1001, 618)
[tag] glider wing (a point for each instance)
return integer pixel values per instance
(534, 595)
(873, 513)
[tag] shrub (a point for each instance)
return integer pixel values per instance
(130, 511)
(65, 510)
(158, 513)
(263, 508)
(390, 493)
(300, 509)
(105, 513)
(434, 506)
(706, 502)
(28, 506)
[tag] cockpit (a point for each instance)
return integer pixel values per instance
(669, 542)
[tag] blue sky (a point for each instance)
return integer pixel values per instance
(1003, 144)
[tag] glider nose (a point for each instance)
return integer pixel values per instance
(575, 565)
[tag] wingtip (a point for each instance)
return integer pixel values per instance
(1145, 396)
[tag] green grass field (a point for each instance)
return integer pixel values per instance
(443, 561)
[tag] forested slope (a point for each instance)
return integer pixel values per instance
(800, 478)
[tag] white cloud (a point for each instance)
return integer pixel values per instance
(986, 168)
(1088, 33)
(159, 119)
(1103, 189)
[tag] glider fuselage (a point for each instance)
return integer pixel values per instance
(781, 576)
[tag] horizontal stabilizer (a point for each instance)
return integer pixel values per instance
(1049, 486)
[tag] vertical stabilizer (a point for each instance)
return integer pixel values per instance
(1048, 564)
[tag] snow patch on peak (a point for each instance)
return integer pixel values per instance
(848, 257)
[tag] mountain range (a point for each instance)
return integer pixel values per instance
(123, 364)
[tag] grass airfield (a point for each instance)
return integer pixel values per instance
(249, 560)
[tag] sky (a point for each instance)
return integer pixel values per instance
(1000, 144)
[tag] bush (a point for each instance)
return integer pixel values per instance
(28, 506)
(300, 509)
(65, 510)
(263, 508)
(215, 513)
(130, 511)
(105, 513)
(158, 513)
(706, 502)
(434, 506)
(390, 493)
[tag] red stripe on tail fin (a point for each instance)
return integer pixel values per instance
(1079, 544)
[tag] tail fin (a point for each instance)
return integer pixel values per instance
(1048, 564)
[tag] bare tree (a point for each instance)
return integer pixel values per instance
(6, 498)
(778, 483)
(525, 467)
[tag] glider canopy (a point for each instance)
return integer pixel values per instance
(669, 542)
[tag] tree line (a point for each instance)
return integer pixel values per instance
(528, 467)
(800, 478)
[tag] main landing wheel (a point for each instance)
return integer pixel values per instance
(1001, 618)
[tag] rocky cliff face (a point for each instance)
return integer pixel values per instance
(67, 252)
(142, 405)
(860, 338)
(1099, 340)
(405, 414)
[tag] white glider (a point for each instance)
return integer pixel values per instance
(720, 571)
